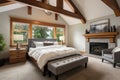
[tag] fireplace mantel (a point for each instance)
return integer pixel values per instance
(108, 35)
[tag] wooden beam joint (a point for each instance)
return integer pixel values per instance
(56, 16)
(44, 1)
(60, 4)
(29, 10)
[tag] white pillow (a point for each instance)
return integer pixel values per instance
(38, 44)
(56, 43)
(116, 49)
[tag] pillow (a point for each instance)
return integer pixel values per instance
(48, 43)
(32, 44)
(116, 49)
(56, 43)
(38, 44)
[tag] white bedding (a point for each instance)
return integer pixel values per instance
(43, 54)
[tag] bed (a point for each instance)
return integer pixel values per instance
(50, 52)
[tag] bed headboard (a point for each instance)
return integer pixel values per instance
(31, 44)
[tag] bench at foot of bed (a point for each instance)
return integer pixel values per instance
(60, 66)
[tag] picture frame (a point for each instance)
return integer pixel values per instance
(100, 26)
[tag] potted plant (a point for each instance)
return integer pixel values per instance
(2, 47)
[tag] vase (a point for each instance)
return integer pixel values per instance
(114, 28)
(111, 29)
(87, 32)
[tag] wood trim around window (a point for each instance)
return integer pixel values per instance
(31, 22)
(36, 22)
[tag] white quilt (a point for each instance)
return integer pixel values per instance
(43, 54)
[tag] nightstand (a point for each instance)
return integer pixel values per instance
(16, 56)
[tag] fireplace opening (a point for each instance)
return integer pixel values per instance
(96, 48)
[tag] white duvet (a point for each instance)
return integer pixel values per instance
(43, 54)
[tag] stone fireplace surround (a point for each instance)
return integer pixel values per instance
(110, 45)
(106, 37)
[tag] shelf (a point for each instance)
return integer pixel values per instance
(109, 35)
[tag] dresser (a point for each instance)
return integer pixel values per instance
(16, 56)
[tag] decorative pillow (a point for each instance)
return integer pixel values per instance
(38, 44)
(116, 49)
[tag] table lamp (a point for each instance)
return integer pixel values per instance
(18, 38)
(61, 39)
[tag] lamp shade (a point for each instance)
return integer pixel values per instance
(18, 37)
(61, 38)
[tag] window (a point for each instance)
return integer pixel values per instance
(22, 30)
(39, 31)
(20, 33)
(60, 34)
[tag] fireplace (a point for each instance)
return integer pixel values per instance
(96, 48)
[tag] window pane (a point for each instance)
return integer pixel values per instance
(20, 33)
(60, 30)
(60, 34)
(39, 31)
(20, 26)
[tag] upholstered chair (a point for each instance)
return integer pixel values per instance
(112, 55)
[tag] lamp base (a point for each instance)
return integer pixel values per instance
(18, 46)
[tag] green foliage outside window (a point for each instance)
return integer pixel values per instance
(59, 33)
(42, 32)
(20, 26)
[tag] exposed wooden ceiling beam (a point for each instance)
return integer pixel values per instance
(44, 1)
(52, 8)
(113, 4)
(77, 11)
(29, 10)
(5, 2)
(60, 4)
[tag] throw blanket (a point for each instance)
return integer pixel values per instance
(43, 54)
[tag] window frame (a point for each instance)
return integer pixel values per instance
(20, 31)
(31, 23)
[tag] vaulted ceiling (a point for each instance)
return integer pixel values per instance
(84, 9)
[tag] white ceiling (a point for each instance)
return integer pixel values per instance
(90, 9)
(11, 7)
(70, 20)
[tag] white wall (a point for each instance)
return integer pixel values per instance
(76, 38)
(22, 13)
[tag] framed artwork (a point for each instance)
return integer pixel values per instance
(100, 26)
